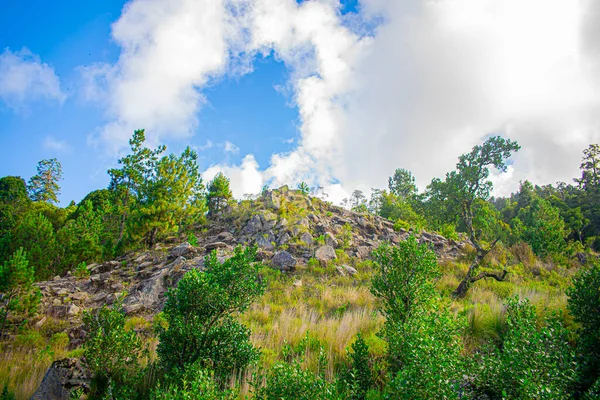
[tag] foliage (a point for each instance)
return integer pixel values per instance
(359, 378)
(44, 186)
(532, 363)
(584, 305)
(80, 238)
(219, 193)
(540, 225)
(112, 353)
(402, 184)
(35, 235)
(199, 313)
(290, 381)
(194, 383)
(19, 299)
(81, 271)
(304, 188)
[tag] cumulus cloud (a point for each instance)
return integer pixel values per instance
(24, 78)
(434, 79)
(441, 76)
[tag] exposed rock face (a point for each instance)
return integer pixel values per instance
(61, 379)
(284, 261)
(325, 253)
(181, 250)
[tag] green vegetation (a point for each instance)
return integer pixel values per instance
(398, 326)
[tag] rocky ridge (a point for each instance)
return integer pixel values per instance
(288, 227)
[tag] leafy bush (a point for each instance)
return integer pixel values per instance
(194, 383)
(112, 353)
(192, 239)
(81, 271)
(290, 381)
(358, 380)
(199, 315)
(532, 362)
(584, 305)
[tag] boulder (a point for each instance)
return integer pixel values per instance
(307, 238)
(363, 252)
(215, 246)
(266, 241)
(181, 250)
(284, 261)
(330, 240)
(325, 253)
(226, 237)
(284, 238)
(61, 379)
(253, 226)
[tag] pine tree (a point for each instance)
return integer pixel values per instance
(219, 193)
(19, 297)
(44, 186)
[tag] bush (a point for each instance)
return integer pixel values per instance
(584, 303)
(532, 362)
(290, 381)
(81, 271)
(199, 315)
(359, 377)
(194, 383)
(112, 353)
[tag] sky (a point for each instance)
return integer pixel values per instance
(335, 93)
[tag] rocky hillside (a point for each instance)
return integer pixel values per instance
(291, 230)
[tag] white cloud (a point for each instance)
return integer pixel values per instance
(53, 144)
(245, 178)
(435, 79)
(229, 147)
(24, 78)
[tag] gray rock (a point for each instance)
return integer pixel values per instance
(284, 238)
(363, 252)
(61, 379)
(226, 237)
(330, 240)
(181, 250)
(284, 261)
(350, 270)
(216, 245)
(325, 253)
(266, 241)
(254, 225)
(307, 238)
(73, 310)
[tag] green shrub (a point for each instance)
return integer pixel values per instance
(358, 380)
(81, 271)
(112, 353)
(200, 316)
(192, 239)
(584, 305)
(532, 362)
(194, 383)
(290, 381)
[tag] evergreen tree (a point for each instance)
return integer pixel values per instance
(44, 186)
(18, 297)
(402, 184)
(35, 235)
(219, 193)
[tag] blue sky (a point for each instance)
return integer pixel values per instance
(335, 94)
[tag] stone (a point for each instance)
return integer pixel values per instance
(325, 253)
(216, 245)
(73, 310)
(350, 270)
(298, 283)
(284, 238)
(266, 241)
(254, 225)
(284, 261)
(226, 237)
(330, 240)
(307, 238)
(181, 250)
(363, 252)
(56, 278)
(61, 379)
